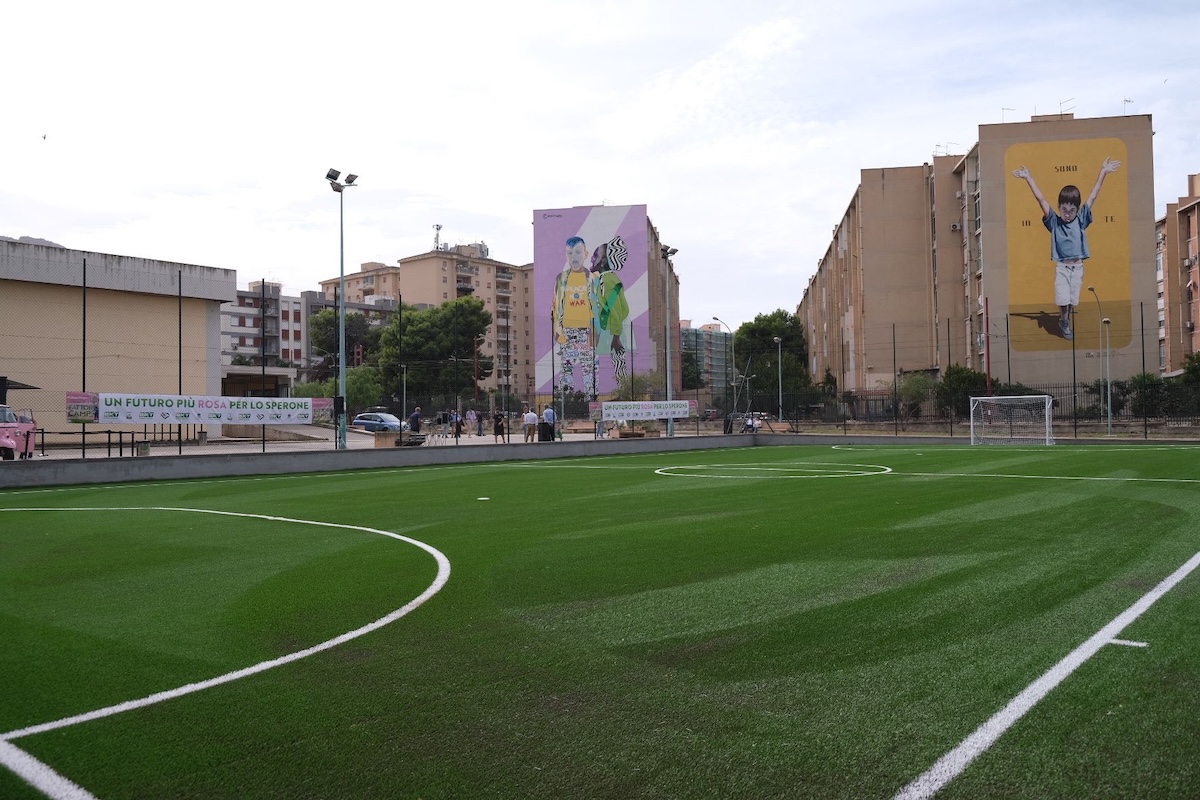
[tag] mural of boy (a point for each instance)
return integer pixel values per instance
(614, 331)
(573, 317)
(1068, 238)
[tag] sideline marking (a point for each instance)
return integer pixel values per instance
(1043, 477)
(774, 470)
(40, 776)
(1128, 643)
(443, 575)
(951, 765)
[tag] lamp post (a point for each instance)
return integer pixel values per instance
(733, 359)
(1107, 323)
(1100, 339)
(340, 186)
(667, 252)
(779, 350)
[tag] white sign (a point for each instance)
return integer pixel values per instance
(186, 409)
(649, 409)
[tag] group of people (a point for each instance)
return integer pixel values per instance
(529, 421)
(452, 420)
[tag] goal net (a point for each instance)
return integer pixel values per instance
(1024, 419)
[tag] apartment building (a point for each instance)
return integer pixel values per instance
(1177, 270)
(627, 253)
(712, 348)
(950, 262)
(445, 274)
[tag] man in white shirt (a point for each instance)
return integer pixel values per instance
(529, 422)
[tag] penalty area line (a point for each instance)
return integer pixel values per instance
(951, 765)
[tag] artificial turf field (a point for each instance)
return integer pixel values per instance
(746, 623)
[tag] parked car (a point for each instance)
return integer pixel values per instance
(379, 421)
(17, 432)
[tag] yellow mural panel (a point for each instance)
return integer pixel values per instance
(1050, 304)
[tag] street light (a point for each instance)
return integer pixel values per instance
(1107, 323)
(733, 358)
(1100, 337)
(339, 187)
(779, 349)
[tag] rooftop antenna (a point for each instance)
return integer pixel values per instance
(437, 235)
(1002, 110)
(1062, 103)
(1125, 102)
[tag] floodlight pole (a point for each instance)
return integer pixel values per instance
(1100, 341)
(779, 350)
(339, 187)
(1107, 323)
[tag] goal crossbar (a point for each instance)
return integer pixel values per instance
(1014, 419)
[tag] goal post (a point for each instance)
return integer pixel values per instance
(1020, 419)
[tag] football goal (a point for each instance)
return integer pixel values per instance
(1024, 419)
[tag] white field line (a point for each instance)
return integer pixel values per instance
(1128, 643)
(1043, 477)
(443, 575)
(40, 776)
(951, 765)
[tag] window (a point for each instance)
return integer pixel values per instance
(286, 333)
(444, 281)
(285, 314)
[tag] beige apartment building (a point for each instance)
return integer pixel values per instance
(1177, 268)
(950, 262)
(454, 271)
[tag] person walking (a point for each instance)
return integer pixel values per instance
(471, 422)
(530, 421)
(414, 420)
(498, 427)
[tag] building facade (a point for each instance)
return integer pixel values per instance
(448, 273)
(607, 297)
(84, 321)
(712, 347)
(1177, 269)
(951, 262)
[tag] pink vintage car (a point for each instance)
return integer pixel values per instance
(17, 433)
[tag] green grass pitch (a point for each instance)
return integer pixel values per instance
(745, 623)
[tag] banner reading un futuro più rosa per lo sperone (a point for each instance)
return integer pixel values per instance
(186, 409)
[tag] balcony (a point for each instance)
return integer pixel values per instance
(506, 291)
(504, 274)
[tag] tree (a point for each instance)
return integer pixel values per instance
(438, 347)
(323, 335)
(914, 389)
(363, 388)
(758, 353)
(692, 376)
(326, 388)
(956, 388)
(638, 385)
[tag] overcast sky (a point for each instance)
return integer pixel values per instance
(201, 132)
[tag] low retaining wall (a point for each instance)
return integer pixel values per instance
(79, 471)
